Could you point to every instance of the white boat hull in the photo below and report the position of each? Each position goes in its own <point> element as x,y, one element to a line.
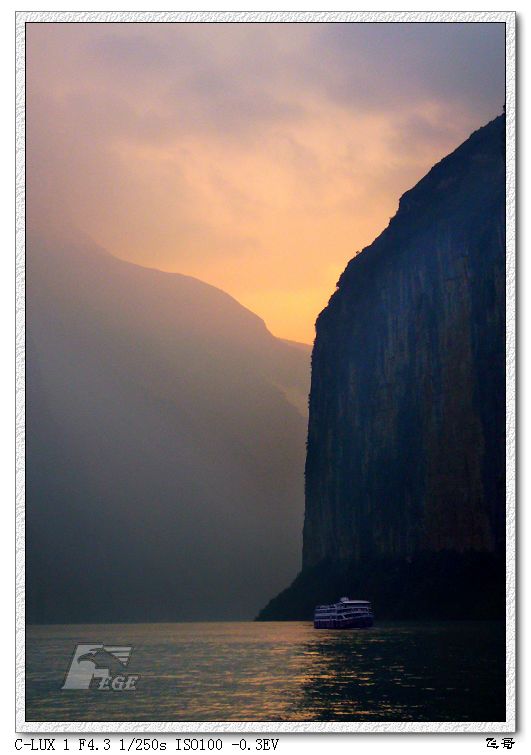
<point>361,622</point>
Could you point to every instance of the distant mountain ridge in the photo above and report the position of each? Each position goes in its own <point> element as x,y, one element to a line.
<point>405,469</point>
<point>165,444</point>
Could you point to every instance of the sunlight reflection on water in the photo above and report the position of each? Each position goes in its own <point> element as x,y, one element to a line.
<point>278,671</point>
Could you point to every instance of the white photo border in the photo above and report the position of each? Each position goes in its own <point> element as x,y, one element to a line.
<point>509,19</point>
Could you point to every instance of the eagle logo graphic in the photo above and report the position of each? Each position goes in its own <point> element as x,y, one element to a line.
<point>96,661</point>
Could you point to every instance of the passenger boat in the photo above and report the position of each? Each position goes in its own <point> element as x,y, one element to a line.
<point>347,614</point>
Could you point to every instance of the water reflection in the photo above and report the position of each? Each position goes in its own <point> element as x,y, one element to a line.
<point>279,672</point>
<point>409,672</point>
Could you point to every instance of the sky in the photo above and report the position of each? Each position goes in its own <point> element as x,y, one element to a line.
<point>259,158</point>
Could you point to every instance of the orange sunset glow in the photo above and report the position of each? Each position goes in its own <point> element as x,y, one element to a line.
<point>258,158</point>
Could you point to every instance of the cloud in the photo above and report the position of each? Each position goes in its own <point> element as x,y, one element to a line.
<point>258,157</point>
<point>402,64</point>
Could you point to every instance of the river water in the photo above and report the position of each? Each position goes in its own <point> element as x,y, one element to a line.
<point>277,671</point>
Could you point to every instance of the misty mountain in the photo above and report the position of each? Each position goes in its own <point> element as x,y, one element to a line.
<point>165,433</point>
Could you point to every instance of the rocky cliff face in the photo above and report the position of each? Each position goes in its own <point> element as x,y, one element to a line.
<point>406,442</point>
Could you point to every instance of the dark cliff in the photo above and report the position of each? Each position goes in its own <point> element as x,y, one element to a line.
<point>405,468</point>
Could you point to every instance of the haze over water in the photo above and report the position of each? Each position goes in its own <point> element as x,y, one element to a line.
<point>278,671</point>
<point>258,158</point>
